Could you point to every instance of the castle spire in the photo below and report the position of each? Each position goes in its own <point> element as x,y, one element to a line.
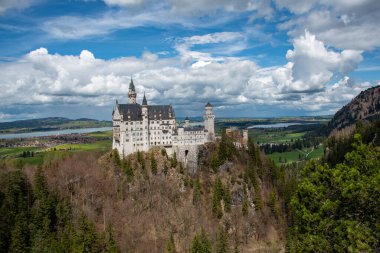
<point>144,102</point>
<point>131,85</point>
<point>132,93</point>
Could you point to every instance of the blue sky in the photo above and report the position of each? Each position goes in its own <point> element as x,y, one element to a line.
<point>249,58</point>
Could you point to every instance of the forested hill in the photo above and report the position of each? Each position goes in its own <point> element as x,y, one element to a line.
<point>364,106</point>
<point>147,202</point>
<point>51,123</point>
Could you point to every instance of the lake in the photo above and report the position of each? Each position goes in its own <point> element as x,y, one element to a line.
<point>56,132</point>
<point>279,125</point>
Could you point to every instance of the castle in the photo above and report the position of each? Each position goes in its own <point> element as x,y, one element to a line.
<point>239,138</point>
<point>140,127</point>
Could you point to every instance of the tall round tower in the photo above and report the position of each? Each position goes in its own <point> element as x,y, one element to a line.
<point>209,119</point>
<point>145,124</point>
<point>132,93</point>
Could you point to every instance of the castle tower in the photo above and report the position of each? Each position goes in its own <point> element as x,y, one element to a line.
<point>245,137</point>
<point>187,122</point>
<point>145,122</point>
<point>132,93</point>
<point>209,118</point>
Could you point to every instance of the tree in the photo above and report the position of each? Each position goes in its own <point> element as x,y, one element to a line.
<point>19,235</point>
<point>245,204</point>
<point>116,157</point>
<point>273,203</point>
<point>140,159</point>
<point>153,163</point>
<point>227,198</point>
<point>127,168</point>
<point>170,247</point>
<point>85,239</point>
<point>257,199</point>
<point>197,193</point>
<point>173,161</point>
<point>336,208</point>
<point>14,209</point>
<point>201,243</point>
<point>216,198</point>
<point>109,244</point>
<point>163,152</point>
<point>222,242</point>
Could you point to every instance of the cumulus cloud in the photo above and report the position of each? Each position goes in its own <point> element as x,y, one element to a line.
<point>42,78</point>
<point>342,24</point>
<point>6,5</point>
<point>311,65</point>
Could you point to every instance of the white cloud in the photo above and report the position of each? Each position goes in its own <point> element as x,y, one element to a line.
<point>124,3</point>
<point>302,84</point>
<point>343,24</point>
<point>311,65</point>
<point>6,5</point>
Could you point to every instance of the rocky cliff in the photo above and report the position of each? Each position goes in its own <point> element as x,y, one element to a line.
<point>365,106</point>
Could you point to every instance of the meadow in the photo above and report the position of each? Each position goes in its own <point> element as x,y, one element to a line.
<point>296,156</point>
<point>39,154</point>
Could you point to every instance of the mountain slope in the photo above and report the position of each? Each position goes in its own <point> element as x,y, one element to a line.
<point>365,106</point>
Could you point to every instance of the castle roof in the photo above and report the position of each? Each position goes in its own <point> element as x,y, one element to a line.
<point>187,118</point>
<point>194,128</point>
<point>155,112</point>
<point>208,104</point>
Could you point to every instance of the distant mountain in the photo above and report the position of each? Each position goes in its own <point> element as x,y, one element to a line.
<point>365,106</point>
<point>51,123</point>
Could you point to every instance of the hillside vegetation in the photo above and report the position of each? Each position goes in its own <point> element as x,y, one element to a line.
<point>364,106</point>
<point>336,205</point>
<point>149,203</point>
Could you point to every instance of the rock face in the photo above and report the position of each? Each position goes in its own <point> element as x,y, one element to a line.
<point>365,106</point>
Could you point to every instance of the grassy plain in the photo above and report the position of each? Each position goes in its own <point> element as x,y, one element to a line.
<point>41,153</point>
<point>293,156</point>
<point>278,135</point>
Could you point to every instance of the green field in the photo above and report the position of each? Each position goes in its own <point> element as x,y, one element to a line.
<point>103,134</point>
<point>16,151</point>
<point>98,145</point>
<point>274,135</point>
<point>41,153</point>
<point>293,156</point>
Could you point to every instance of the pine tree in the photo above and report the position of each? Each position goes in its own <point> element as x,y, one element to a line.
<point>19,235</point>
<point>216,198</point>
<point>227,198</point>
<point>257,199</point>
<point>197,193</point>
<point>116,157</point>
<point>222,242</point>
<point>141,159</point>
<point>127,168</point>
<point>245,205</point>
<point>201,244</point>
<point>109,244</point>
<point>14,203</point>
<point>153,163</point>
<point>273,202</point>
<point>174,160</point>
<point>85,239</point>
<point>170,247</point>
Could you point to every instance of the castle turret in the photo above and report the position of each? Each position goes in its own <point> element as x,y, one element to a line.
<point>145,123</point>
<point>209,119</point>
<point>245,137</point>
<point>132,93</point>
<point>187,122</point>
